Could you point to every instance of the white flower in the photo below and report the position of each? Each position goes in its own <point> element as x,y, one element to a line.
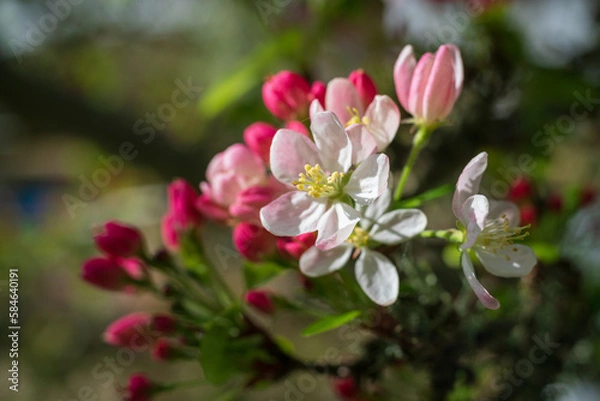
<point>375,273</point>
<point>490,230</point>
<point>324,179</point>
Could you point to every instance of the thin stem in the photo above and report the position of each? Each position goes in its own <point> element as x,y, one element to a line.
<point>419,142</point>
<point>451,235</point>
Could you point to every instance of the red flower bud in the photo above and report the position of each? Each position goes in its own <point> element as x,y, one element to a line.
<point>555,203</point>
<point>298,127</point>
<point>294,247</point>
<point>364,86</point>
<point>253,242</point>
<point>529,214</point>
<point>258,137</point>
<point>260,300</point>
<point>164,324</point>
<point>286,95</point>
<point>163,350</point>
<point>105,273</point>
<point>346,388</point>
<point>129,330</point>
<point>520,189</point>
<point>317,91</point>
<point>119,240</point>
<point>140,388</point>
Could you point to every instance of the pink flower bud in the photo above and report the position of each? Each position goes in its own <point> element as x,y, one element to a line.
<point>260,300</point>
<point>210,209</point>
<point>181,215</point>
<point>364,86</point>
<point>250,201</point>
<point>258,137</point>
<point>163,350</point>
<point>317,91</point>
<point>528,214</point>
<point>346,388</point>
<point>164,324</point>
<point>139,388</point>
<point>298,127</point>
<point>119,240</point>
<point>129,330</point>
<point>253,242</point>
<point>520,189</point>
<point>294,247</point>
<point>429,89</point>
<point>287,95</point>
<point>105,273</point>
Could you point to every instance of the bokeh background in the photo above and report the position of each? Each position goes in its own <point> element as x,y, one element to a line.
<point>80,78</point>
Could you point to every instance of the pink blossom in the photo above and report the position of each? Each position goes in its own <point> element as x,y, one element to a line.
<point>253,242</point>
<point>428,89</point>
<point>119,240</point>
<point>365,87</point>
<point>114,274</point>
<point>322,174</point>
<point>258,138</point>
<point>139,388</point>
<point>129,330</point>
<point>260,300</point>
<point>182,213</point>
<point>287,95</point>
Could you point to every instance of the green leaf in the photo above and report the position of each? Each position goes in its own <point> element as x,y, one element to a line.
<point>426,196</point>
<point>214,358</point>
<point>330,323</point>
<point>256,274</point>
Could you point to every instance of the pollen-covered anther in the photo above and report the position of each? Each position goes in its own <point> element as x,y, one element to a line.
<point>359,237</point>
<point>499,234</point>
<point>316,183</point>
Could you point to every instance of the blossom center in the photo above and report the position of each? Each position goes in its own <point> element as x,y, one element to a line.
<point>356,118</point>
<point>359,237</point>
<point>498,234</point>
<point>318,184</point>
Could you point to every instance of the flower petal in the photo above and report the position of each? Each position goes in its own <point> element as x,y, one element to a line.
<point>376,209</point>
<point>315,107</point>
<point>474,214</point>
<point>377,277</point>
<point>363,143</point>
<point>398,226</point>
<point>290,152</point>
<point>336,225</point>
<point>341,97</point>
<point>468,182</point>
<point>369,180</point>
<point>382,119</point>
<point>293,213</point>
<point>335,149</point>
<point>504,209</point>
<point>441,90</point>
<point>419,83</point>
<point>315,262</point>
<point>510,261</point>
<point>484,296</point>
<point>403,74</point>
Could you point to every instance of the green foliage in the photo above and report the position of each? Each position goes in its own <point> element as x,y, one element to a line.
<point>330,323</point>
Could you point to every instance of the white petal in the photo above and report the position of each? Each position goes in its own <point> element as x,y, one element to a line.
<point>363,143</point>
<point>293,213</point>
<point>509,210</point>
<point>484,296</point>
<point>341,97</point>
<point>334,146</point>
<point>290,152</point>
<point>315,107</point>
<point>383,120</point>
<point>315,262</point>
<point>336,225</point>
<point>468,182</point>
<point>377,277</point>
<point>473,216</point>
<point>510,261</point>
<point>376,209</point>
<point>398,226</point>
<point>369,180</point>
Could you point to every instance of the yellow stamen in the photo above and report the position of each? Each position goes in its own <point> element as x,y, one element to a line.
<point>318,184</point>
<point>359,237</point>
<point>499,234</point>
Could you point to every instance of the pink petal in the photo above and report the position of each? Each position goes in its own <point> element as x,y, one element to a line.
<point>336,225</point>
<point>484,296</point>
<point>418,84</point>
<point>369,180</point>
<point>383,120</point>
<point>315,262</point>
<point>403,74</point>
<point>474,214</point>
<point>341,96</point>
<point>468,182</point>
<point>241,159</point>
<point>500,209</point>
<point>290,152</point>
<point>440,92</point>
<point>225,188</point>
<point>292,214</point>
<point>335,149</point>
<point>315,107</point>
<point>363,143</point>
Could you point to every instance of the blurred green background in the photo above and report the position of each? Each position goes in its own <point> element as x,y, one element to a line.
<point>78,79</point>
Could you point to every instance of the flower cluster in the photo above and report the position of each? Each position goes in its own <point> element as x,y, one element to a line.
<point>313,194</point>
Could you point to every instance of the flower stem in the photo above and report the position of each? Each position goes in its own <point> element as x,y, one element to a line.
<point>451,235</point>
<point>419,141</point>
